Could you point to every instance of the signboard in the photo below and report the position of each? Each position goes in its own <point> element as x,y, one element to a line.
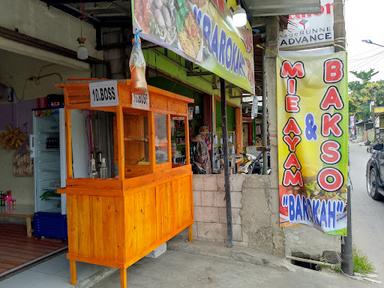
<point>309,30</point>
<point>140,101</point>
<point>313,118</point>
<point>104,93</point>
<point>199,32</point>
<point>255,107</point>
<point>378,109</point>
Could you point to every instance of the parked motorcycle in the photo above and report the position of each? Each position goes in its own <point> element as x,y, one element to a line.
<point>252,164</point>
<point>247,164</point>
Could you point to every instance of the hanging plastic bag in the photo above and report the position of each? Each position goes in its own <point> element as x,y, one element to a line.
<point>137,66</point>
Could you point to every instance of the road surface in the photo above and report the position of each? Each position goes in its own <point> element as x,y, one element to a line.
<point>367,214</point>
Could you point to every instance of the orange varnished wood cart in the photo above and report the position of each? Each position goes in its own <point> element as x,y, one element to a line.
<point>116,221</point>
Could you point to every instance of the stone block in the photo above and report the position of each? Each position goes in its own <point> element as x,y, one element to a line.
<point>194,230</point>
<point>207,214</point>
<point>257,181</point>
<point>237,232</point>
<point>236,218</point>
<point>236,182</point>
<point>236,199</point>
<point>212,231</point>
<point>198,182</point>
<point>220,199</point>
<point>208,198</point>
<point>197,198</point>
<point>210,183</point>
<point>220,182</point>
<point>158,251</point>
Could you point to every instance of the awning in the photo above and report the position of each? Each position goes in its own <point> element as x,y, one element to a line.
<point>257,8</point>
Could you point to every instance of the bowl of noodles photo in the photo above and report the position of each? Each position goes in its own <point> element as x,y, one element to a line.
<point>191,38</point>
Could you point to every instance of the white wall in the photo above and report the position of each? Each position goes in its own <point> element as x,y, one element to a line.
<point>34,18</point>
<point>14,71</point>
<point>22,187</point>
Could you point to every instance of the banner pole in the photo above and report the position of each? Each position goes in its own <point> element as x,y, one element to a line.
<point>227,186</point>
<point>346,241</point>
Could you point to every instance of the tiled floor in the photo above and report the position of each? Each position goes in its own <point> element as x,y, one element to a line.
<point>53,273</point>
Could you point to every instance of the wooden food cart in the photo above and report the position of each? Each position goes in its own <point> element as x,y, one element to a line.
<point>147,197</point>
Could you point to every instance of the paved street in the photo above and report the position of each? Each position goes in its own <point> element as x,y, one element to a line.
<point>367,214</point>
<point>208,265</point>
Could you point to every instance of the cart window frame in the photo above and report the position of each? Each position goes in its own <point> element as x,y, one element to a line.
<point>175,145</point>
<point>167,135</point>
<point>141,167</point>
<point>112,163</point>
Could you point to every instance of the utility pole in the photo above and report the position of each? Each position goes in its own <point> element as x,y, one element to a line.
<point>346,241</point>
<point>227,186</point>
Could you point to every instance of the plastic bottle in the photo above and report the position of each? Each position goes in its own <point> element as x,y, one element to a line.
<point>137,66</point>
<point>103,169</point>
<point>92,167</point>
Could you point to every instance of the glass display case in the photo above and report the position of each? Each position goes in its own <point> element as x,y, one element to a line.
<point>161,138</point>
<point>178,140</point>
<point>136,143</point>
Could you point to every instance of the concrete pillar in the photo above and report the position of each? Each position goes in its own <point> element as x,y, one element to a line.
<point>271,51</point>
<point>339,26</point>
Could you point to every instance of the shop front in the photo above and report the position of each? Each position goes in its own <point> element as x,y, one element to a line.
<point>31,113</point>
<point>139,177</point>
<point>136,176</point>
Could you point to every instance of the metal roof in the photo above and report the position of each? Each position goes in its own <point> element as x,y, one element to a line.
<point>258,8</point>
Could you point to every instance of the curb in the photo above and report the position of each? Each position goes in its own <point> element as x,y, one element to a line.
<point>96,278</point>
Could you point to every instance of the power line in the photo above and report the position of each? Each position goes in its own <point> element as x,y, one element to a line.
<point>367,56</point>
<point>364,60</point>
<point>367,64</point>
<point>372,49</point>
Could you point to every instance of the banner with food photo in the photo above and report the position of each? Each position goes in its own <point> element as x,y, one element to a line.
<point>312,106</point>
<point>197,31</point>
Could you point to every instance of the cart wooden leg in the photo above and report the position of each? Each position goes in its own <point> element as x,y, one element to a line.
<point>190,233</point>
<point>123,278</point>
<point>28,222</point>
<point>72,269</point>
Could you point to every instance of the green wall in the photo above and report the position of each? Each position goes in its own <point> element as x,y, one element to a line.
<point>178,88</point>
<point>173,66</point>
<point>175,87</point>
<point>231,117</point>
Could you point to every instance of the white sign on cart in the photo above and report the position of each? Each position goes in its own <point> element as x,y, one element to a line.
<point>104,93</point>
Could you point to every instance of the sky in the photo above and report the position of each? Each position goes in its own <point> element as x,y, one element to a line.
<point>365,20</point>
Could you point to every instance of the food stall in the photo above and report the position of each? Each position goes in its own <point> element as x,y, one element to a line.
<point>137,192</point>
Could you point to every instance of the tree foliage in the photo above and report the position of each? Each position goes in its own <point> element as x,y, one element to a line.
<point>363,91</point>
<point>365,76</point>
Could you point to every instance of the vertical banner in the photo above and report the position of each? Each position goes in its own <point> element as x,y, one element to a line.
<point>312,134</point>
